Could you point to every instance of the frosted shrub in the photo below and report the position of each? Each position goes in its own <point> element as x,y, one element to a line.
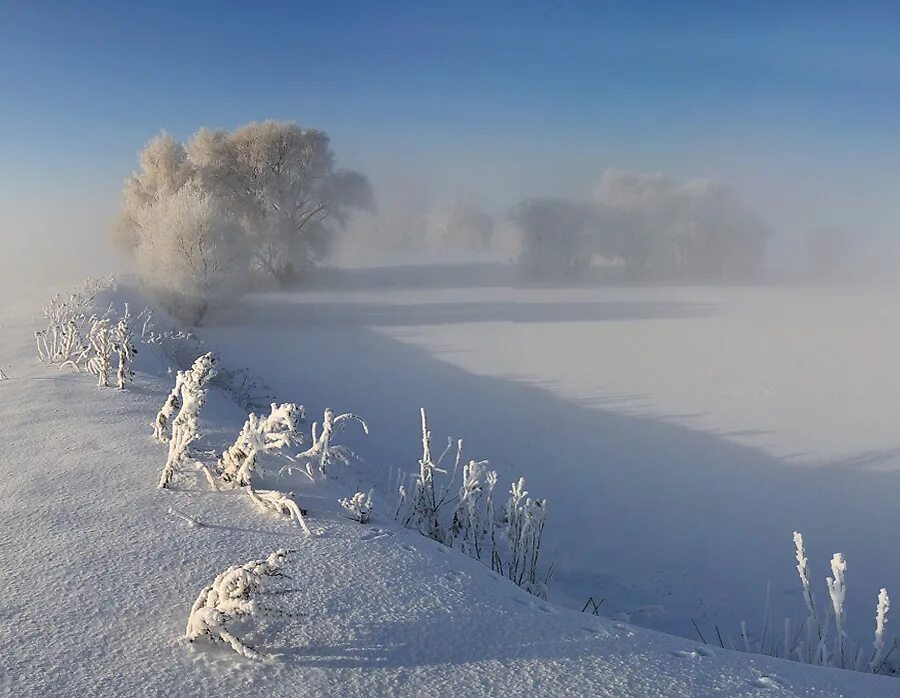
<point>234,595</point>
<point>276,431</point>
<point>809,641</point>
<point>186,425</point>
<point>881,611</point>
<point>359,506</point>
<point>169,408</point>
<point>322,454</point>
<point>280,503</point>
<point>425,503</point>
<point>123,345</point>
<point>102,346</point>
<point>473,520</point>
<point>837,590</point>
<point>525,518</point>
<point>65,316</point>
<point>183,348</point>
<point>510,545</point>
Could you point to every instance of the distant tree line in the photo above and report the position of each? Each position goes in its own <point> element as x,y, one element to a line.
<point>648,225</point>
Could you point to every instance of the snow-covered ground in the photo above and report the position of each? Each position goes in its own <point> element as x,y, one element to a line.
<point>98,579</point>
<point>680,434</point>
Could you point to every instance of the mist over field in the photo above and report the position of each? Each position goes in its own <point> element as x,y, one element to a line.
<point>381,347</point>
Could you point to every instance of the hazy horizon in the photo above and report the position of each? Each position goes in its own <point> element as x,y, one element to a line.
<point>791,108</point>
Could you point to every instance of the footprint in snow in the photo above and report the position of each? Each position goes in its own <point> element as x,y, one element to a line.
<point>766,682</point>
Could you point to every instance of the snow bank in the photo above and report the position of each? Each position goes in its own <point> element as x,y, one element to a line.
<point>98,578</point>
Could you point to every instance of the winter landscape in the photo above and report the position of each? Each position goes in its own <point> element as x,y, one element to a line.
<point>414,377</point>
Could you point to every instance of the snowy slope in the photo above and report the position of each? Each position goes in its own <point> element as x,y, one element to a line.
<point>98,579</point>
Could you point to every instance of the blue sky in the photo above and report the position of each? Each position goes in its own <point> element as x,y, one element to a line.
<point>784,101</point>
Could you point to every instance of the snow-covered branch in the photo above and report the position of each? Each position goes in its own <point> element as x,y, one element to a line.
<point>186,425</point>
<point>274,432</point>
<point>322,454</point>
<point>234,595</point>
<point>359,506</point>
<point>280,503</point>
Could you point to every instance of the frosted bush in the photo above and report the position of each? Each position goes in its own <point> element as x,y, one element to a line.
<point>525,518</point>
<point>425,503</point>
<point>473,520</point>
<point>66,316</point>
<point>359,506</point>
<point>234,595</point>
<point>808,641</point>
<point>125,349</point>
<point>274,432</point>
<point>183,348</point>
<point>186,425</point>
<point>280,503</point>
<point>322,454</point>
<point>837,590</point>
<point>102,346</point>
<point>169,408</point>
<point>881,611</point>
<point>512,544</point>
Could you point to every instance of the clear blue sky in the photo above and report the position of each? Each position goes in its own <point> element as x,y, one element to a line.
<point>781,100</point>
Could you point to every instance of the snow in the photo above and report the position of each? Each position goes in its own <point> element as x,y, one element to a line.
<point>680,435</point>
<point>99,577</point>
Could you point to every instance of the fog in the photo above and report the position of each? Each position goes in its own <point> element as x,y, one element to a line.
<point>817,230</point>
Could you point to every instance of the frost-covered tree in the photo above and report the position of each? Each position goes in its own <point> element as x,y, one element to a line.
<point>232,596</point>
<point>282,181</point>
<point>278,430</point>
<point>164,170</point>
<point>662,228</point>
<point>191,252</point>
<point>359,506</point>
<point>458,227</point>
<point>553,236</point>
<point>186,425</point>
